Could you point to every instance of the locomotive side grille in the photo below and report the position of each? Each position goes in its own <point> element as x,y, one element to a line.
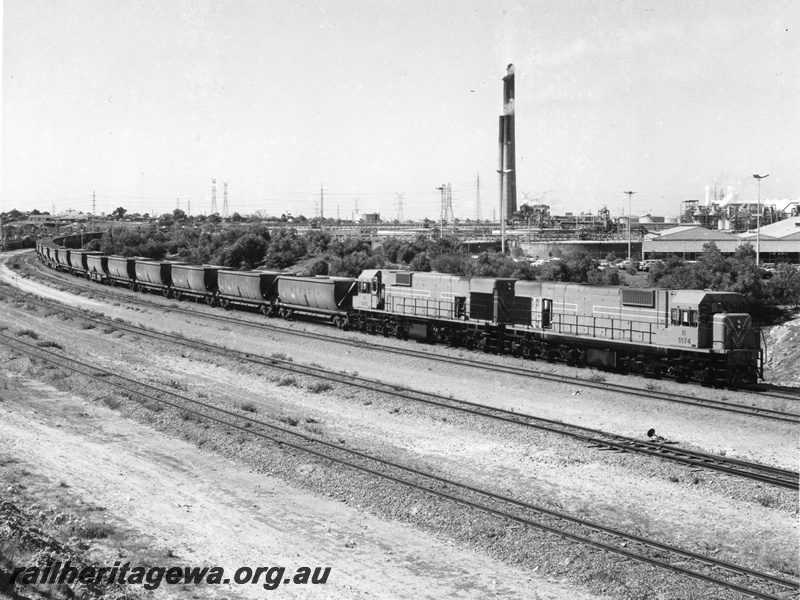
<point>522,310</point>
<point>634,297</point>
<point>402,278</point>
<point>481,306</point>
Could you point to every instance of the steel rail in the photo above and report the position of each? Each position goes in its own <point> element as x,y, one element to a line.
<point>734,467</point>
<point>104,377</point>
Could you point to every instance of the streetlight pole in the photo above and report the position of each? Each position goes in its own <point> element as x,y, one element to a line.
<point>758,220</point>
<point>503,173</point>
<point>630,212</point>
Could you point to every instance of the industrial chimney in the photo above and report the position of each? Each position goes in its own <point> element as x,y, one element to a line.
<point>507,158</point>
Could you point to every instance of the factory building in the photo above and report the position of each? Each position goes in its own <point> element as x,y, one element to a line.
<point>780,241</point>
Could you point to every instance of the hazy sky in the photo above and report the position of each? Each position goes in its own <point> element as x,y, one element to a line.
<point>145,102</point>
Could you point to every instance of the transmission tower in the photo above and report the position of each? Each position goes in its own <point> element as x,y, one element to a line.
<point>225,199</point>
<point>447,204</point>
<point>321,203</point>
<point>355,209</point>
<point>400,217</point>
<point>94,207</point>
<point>213,196</point>
<point>478,199</point>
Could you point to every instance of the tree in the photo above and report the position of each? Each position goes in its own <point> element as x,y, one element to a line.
<point>178,214</point>
<point>246,252</point>
<point>119,213</point>
<point>784,286</point>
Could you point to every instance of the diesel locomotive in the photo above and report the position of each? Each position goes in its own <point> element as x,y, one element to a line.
<point>704,336</point>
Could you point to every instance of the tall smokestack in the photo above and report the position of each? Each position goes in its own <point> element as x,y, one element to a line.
<point>507,158</point>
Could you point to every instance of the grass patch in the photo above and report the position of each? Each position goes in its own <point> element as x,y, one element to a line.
<point>112,402</point>
<point>319,386</point>
<point>766,500</point>
<point>599,377</point>
<point>91,531</point>
<point>281,356</point>
<point>653,387</point>
<point>29,332</point>
<point>284,381</point>
<point>188,416</point>
<point>289,421</point>
<point>110,329</point>
<point>49,344</point>
<point>87,325</point>
<point>248,407</point>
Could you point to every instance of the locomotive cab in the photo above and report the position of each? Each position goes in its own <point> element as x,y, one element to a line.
<point>369,293</point>
<point>720,324</point>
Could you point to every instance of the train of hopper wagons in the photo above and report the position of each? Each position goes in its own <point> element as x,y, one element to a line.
<point>695,335</point>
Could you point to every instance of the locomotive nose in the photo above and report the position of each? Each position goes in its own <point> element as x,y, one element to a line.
<point>733,331</point>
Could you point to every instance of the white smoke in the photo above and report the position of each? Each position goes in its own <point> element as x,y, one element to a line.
<point>731,195</point>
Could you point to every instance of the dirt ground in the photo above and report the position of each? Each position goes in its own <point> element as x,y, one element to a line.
<point>174,492</point>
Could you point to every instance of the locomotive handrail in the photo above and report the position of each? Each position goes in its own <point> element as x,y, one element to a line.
<point>560,324</point>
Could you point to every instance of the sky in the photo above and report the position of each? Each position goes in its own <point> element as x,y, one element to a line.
<point>142,103</point>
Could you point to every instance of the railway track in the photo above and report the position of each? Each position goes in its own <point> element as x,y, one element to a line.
<point>743,580</point>
<point>593,437</point>
<point>514,369</point>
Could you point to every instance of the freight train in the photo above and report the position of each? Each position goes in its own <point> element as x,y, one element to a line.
<point>688,335</point>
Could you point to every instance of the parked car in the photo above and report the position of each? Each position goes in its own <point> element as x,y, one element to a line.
<point>646,265</point>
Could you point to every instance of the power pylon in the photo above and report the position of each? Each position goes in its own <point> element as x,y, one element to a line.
<point>213,196</point>
<point>400,217</point>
